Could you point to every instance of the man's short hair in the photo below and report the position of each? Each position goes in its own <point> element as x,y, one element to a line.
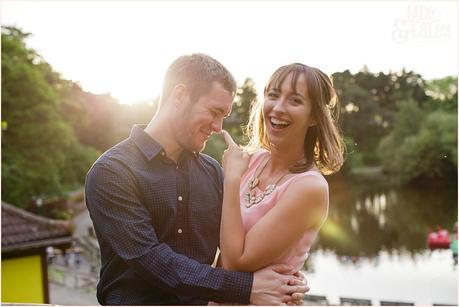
<point>197,71</point>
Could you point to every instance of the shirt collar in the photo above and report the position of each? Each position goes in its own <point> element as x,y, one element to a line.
<point>148,146</point>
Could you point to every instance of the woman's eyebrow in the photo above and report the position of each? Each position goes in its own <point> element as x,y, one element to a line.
<point>298,94</point>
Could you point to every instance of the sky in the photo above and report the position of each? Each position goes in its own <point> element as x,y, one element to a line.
<point>125,47</point>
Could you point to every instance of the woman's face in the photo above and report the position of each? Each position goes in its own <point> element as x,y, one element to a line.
<point>287,113</point>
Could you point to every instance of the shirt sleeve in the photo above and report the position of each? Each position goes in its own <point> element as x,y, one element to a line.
<point>125,223</point>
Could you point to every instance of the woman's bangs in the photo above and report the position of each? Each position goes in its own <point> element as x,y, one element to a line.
<point>295,70</point>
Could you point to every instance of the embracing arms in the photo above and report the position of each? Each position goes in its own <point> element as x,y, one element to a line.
<point>125,224</point>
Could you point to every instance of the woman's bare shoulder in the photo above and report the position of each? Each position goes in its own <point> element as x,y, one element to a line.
<point>309,181</point>
<point>257,155</point>
<point>310,187</point>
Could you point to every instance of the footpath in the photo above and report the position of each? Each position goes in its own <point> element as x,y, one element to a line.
<point>72,283</point>
<point>61,295</point>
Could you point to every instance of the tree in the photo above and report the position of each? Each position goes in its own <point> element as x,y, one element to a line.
<point>91,116</point>
<point>422,147</point>
<point>40,154</point>
<point>442,93</point>
<point>369,102</point>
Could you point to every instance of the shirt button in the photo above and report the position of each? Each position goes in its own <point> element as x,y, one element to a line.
<point>179,230</point>
<point>180,198</point>
<point>162,153</point>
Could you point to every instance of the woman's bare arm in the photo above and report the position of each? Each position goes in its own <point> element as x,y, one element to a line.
<point>303,206</point>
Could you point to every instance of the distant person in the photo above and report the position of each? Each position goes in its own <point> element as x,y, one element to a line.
<point>155,202</point>
<point>50,254</point>
<point>453,244</point>
<point>275,196</point>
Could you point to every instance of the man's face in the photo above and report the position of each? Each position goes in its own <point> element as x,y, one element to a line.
<point>199,119</point>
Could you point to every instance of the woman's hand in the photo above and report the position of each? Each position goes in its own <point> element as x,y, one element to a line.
<point>235,160</point>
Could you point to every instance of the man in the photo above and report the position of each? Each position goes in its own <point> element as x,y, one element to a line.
<point>155,202</point>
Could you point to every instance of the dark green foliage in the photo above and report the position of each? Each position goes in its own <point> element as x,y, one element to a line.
<point>236,122</point>
<point>40,154</point>
<point>422,147</point>
<point>399,120</point>
<point>369,102</point>
<point>352,156</point>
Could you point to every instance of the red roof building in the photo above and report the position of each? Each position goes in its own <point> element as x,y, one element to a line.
<point>25,237</point>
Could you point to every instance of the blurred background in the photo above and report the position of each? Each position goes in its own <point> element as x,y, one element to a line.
<point>77,75</point>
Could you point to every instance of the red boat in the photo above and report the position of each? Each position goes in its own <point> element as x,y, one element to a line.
<point>438,239</point>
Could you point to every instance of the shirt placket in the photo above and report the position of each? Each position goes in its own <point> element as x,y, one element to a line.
<point>182,200</point>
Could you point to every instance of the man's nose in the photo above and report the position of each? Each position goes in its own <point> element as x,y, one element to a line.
<point>217,125</point>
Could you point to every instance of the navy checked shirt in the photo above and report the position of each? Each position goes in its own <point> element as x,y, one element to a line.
<point>157,223</point>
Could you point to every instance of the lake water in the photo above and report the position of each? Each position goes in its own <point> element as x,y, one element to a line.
<point>373,245</point>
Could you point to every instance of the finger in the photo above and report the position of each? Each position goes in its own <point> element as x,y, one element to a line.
<point>300,275</point>
<point>298,289</point>
<point>297,296</point>
<point>228,139</point>
<point>286,298</point>
<point>298,303</point>
<point>296,281</point>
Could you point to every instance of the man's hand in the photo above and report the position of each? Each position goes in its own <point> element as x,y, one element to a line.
<point>274,285</point>
<point>297,298</point>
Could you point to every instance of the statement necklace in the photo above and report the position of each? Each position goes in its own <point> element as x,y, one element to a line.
<point>251,197</point>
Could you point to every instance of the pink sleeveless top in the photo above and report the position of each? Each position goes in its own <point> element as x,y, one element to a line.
<point>298,253</point>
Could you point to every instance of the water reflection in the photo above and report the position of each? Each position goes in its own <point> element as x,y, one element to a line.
<point>367,219</point>
<point>425,279</point>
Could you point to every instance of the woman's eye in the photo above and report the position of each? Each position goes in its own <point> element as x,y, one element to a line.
<point>297,100</point>
<point>272,94</point>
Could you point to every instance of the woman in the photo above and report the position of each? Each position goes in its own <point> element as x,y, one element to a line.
<point>276,198</point>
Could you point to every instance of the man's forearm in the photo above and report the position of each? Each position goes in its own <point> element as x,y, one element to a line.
<point>178,274</point>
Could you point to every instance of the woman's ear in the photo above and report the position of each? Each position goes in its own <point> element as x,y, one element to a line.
<point>313,122</point>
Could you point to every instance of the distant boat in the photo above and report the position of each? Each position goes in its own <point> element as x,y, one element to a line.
<point>438,239</point>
